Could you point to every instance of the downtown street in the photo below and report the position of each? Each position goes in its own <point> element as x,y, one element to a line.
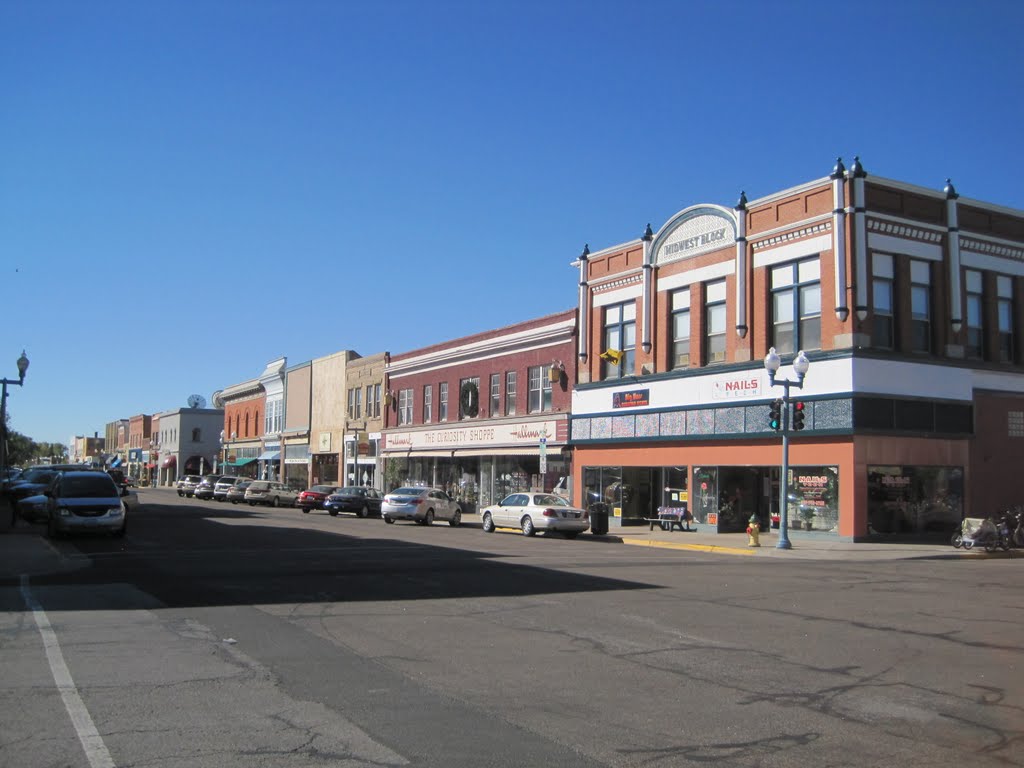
<point>233,636</point>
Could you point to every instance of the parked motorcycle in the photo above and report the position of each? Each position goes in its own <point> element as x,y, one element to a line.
<point>990,533</point>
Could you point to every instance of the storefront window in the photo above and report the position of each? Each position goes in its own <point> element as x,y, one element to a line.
<point>814,498</point>
<point>915,500</point>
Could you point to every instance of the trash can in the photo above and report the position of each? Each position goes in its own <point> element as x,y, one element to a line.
<point>599,519</point>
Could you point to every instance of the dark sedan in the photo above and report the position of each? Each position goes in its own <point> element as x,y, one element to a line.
<point>358,500</point>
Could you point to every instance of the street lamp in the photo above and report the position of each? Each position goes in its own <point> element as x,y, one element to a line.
<point>22,370</point>
<point>772,363</point>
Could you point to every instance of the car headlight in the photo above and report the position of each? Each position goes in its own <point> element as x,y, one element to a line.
<point>64,512</point>
<point>116,511</point>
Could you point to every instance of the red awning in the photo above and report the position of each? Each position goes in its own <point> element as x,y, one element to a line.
<point>169,461</point>
<point>151,466</point>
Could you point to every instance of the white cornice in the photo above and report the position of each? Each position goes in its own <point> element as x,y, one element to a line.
<point>511,343</point>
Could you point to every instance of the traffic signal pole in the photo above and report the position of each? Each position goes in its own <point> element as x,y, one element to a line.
<point>800,366</point>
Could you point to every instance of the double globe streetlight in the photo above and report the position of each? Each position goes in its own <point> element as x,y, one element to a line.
<point>772,363</point>
<point>22,370</point>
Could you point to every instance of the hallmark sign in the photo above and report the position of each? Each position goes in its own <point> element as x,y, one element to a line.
<point>633,399</point>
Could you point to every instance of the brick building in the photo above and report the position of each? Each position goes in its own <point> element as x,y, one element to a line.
<point>908,304</point>
<point>484,415</point>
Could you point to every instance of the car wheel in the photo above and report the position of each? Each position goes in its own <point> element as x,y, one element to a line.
<point>305,510</point>
<point>364,512</point>
<point>234,501</point>
<point>528,529</point>
<point>571,534</point>
<point>332,512</point>
<point>388,520</point>
<point>429,519</point>
<point>180,493</point>
<point>252,503</point>
<point>456,520</point>
<point>51,529</point>
<point>488,523</point>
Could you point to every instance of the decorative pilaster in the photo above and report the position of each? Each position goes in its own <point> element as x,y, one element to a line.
<point>648,309</point>
<point>584,306</point>
<point>741,266</point>
<point>953,242</point>
<point>839,238</point>
<point>860,237</point>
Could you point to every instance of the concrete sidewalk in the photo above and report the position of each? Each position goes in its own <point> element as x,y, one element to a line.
<point>806,546</point>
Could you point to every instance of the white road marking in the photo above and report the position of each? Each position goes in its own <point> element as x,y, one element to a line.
<point>95,750</point>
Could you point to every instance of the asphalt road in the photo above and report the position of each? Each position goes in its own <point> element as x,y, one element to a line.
<point>215,635</point>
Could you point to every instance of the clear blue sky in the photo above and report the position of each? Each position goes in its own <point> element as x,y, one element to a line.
<point>191,189</point>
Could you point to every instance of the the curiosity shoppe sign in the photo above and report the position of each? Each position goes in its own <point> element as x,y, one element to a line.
<point>529,433</point>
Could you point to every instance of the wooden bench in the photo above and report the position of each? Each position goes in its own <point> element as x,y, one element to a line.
<point>668,522</point>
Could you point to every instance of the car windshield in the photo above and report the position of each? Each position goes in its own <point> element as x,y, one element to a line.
<point>322,488</point>
<point>352,491</point>
<point>88,487</point>
<point>549,500</point>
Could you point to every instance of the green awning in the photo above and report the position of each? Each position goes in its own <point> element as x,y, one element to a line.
<point>238,462</point>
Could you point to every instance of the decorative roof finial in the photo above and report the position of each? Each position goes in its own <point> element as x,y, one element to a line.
<point>648,233</point>
<point>839,171</point>
<point>857,170</point>
<point>586,252</point>
<point>741,204</point>
<point>950,190</point>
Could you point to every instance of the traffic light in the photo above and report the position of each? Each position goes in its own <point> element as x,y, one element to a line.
<point>775,415</point>
<point>799,411</point>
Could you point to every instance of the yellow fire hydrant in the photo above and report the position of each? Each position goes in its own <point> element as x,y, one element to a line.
<point>754,532</point>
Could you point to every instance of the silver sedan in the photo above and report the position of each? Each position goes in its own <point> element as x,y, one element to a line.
<point>423,505</point>
<point>532,512</point>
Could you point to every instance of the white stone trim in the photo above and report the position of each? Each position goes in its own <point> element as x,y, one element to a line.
<point>914,248</point>
<point>618,295</point>
<point>812,246</point>
<point>701,275</point>
<point>990,263</point>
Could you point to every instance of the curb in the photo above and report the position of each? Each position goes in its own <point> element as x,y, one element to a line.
<point>691,547</point>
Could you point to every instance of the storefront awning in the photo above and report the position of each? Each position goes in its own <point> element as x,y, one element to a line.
<point>169,461</point>
<point>270,456</point>
<point>238,462</point>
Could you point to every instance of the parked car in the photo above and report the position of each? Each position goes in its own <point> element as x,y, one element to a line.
<point>204,488</point>
<point>532,512</point>
<point>32,482</point>
<point>269,492</point>
<point>236,493</point>
<point>423,505</point>
<point>314,498</point>
<point>78,501</point>
<point>225,484</point>
<point>357,499</point>
<point>187,484</point>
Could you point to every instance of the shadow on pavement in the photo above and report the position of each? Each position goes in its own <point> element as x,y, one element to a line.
<point>235,555</point>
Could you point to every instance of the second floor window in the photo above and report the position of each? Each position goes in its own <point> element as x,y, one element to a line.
<point>920,306</point>
<point>539,384</point>
<point>469,398</point>
<point>495,406</point>
<point>405,406</point>
<point>796,306</point>
<point>680,329</point>
<point>714,322</point>
<point>882,282</point>
<point>619,335</point>
<point>428,403</point>
<point>975,315</point>
<point>1004,311</point>
<point>510,393</point>
<point>442,405</point>
<point>197,435</point>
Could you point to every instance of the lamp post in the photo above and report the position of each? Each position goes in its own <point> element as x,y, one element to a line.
<point>772,363</point>
<point>22,370</point>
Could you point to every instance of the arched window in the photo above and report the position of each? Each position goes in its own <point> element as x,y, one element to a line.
<point>246,433</point>
<point>196,435</point>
